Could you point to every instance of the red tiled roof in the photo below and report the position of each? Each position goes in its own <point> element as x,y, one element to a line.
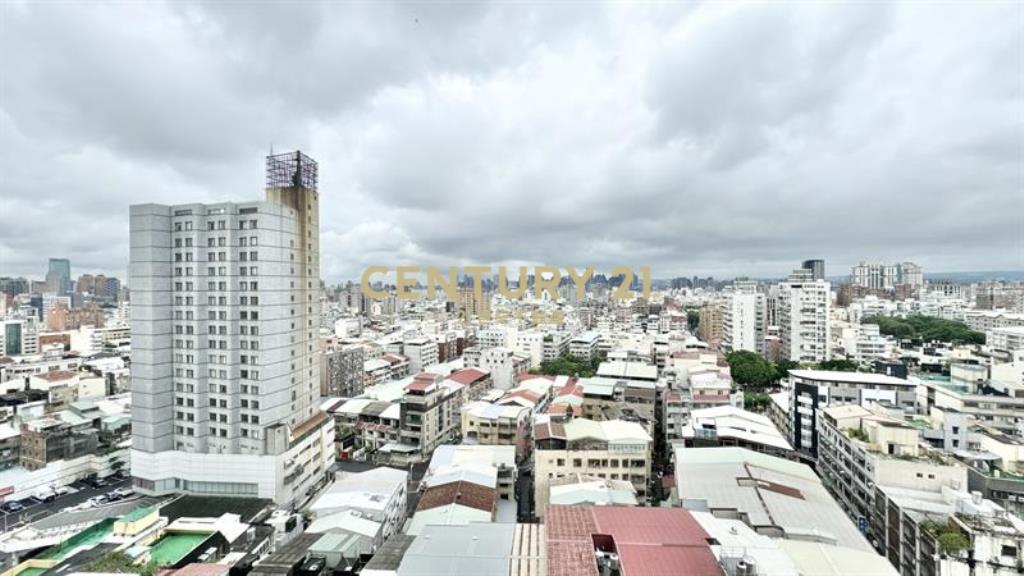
<point>468,376</point>
<point>649,541</point>
<point>721,398</point>
<point>462,493</point>
<point>56,375</point>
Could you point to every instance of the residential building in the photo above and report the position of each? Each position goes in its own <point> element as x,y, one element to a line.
<point>709,327</point>
<point>501,363</point>
<point>743,318</point>
<point>225,319</point>
<point>947,533</point>
<point>861,447</point>
<point>995,467</point>
<point>611,449</point>
<point>731,426</point>
<point>461,461</point>
<point>985,320</point>
<point>887,276</point>
<point>421,352</point>
<point>968,390</point>
<point>53,438</point>
<point>803,310</point>
<point>1007,339</point>
<point>813,390</point>
<point>341,371</point>
<point>377,496</point>
<point>585,345</point>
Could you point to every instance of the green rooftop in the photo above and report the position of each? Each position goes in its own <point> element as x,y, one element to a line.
<point>137,514</point>
<point>174,546</point>
<point>86,538</point>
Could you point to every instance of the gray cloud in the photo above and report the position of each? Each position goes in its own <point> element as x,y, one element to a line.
<point>719,138</point>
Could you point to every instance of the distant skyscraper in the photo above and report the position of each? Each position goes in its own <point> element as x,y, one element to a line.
<point>225,318</point>
<point>887,276</point>
<point>817,268</point>
<point>58,278</point>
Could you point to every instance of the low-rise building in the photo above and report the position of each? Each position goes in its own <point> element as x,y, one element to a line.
<point>776,497</point>
<point>375,500</point>
<point>599,540</point>
<point>585,345</point>
<point>731,426</point>
<point>611,449</point>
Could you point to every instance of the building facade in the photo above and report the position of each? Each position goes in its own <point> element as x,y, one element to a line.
<point>225,318</point>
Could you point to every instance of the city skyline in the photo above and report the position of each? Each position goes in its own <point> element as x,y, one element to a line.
<point>624,133</point>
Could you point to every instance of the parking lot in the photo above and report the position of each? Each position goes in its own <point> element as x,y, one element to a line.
<point>35,510</point>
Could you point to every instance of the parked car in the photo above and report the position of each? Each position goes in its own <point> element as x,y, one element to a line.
<point>124,492</point>
<point>98,500</point>
<point>13,507</point>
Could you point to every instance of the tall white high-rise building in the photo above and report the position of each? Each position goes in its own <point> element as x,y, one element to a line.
<point>887,276</point>
<point>803,311</point>
<point>743,318</point>
<point>224,321</point>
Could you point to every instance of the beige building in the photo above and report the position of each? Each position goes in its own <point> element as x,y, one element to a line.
<point>861,447</point>
<point>612,450</point>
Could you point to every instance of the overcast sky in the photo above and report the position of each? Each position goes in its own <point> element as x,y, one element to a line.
<point>714,138</point>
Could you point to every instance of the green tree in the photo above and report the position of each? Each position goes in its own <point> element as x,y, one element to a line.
<point>692,320</point>
<point>841,365</point>
<point>750,369</point>
<point>569,365</point>
<point>755,401</point>
<point>783,366</point>
<point>927,329</point>
<point>120,563</point>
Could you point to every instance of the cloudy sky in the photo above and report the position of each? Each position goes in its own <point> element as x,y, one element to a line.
<point>707,138</point>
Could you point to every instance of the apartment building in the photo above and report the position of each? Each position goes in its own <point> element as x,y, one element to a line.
<point>1007,339</point>
<point>947,533</point>
<point>611,449</point>
<point>585,345</point>
<point>50,439</point>
<point>61,388</point>
<point>225,345</point>
<point>861,447</point>
<point>421,352</point>
<point>985,320</point>
<point>887,276</point>
<point>341,371</point>
<point>555,344</point>
<point>710,328</point>
<point>505,418</point>
<point>968,390</point>
<point>501,363</point>
<point>813,390</point>
<point>743,318</point>
<point>803,309</point>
